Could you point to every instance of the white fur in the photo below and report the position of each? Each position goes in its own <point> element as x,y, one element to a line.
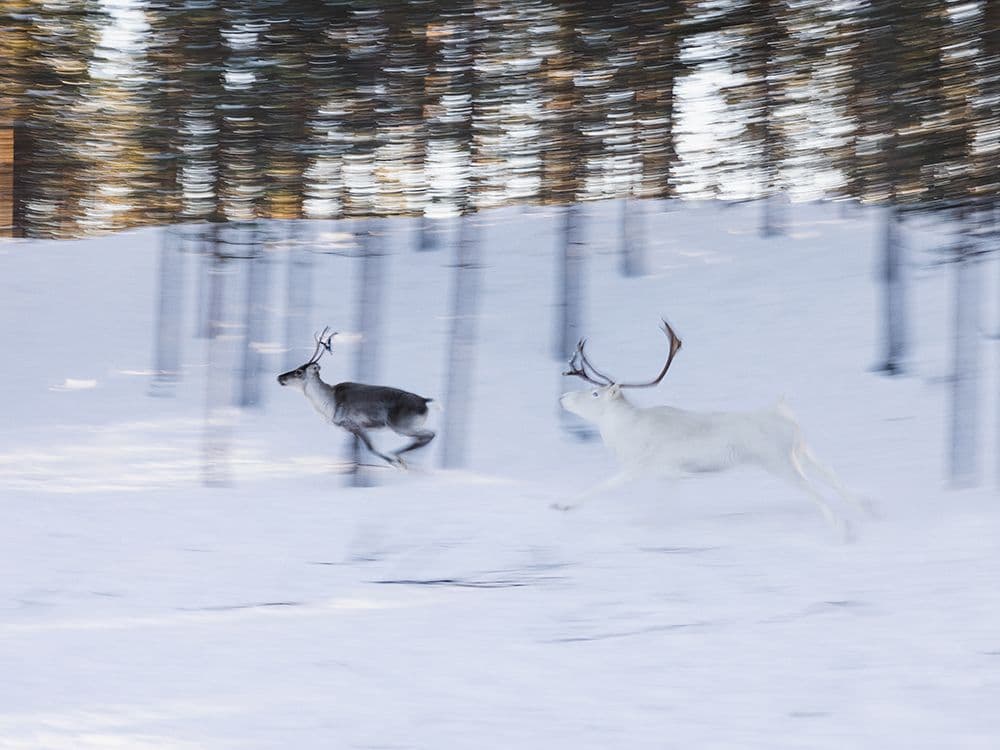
<point>668,442</point>
<point>319,394</point>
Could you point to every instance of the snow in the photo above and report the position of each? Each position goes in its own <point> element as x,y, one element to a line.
<point>449,609</point>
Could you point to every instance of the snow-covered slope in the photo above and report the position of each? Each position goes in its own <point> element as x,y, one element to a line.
<point>455,609</point>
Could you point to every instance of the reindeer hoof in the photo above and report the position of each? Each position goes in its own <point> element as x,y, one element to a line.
<point>561,506</point>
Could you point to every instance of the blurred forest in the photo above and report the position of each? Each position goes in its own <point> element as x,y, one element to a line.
<point>213,115</point>
<point>135,112</point>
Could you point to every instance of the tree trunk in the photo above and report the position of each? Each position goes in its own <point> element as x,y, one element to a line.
<point>169,311</point>
<point>894,278</point>
<point>254,320</point>
<point>298,300</point>
<point>571,305</point>
<point>428,234</point>
<point>571,272</point>
<point>462,344</point>
<point>369,328</point>
<point>633,240</point>
<point>963,464</point>
<point>773,215</point>
<point>204,247</point>
<point>219,417</point>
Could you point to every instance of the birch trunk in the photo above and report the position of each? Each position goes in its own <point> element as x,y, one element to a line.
<point>219,415</point>
<point>254,321</point>
<point>569,326</point>
<point>298,296</point>
<point>167,349</point>
<point>570,307</point>
<point>461,362</point>
<point>633,240</point>
<point>369,329</point>
<point>894,301</point>
<point>963,465</point>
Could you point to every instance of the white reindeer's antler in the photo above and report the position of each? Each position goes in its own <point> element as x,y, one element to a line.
<point>675,346</point>
<point>579,364</point>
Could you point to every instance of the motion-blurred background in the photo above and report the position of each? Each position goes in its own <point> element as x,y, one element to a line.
<point>190,189</point>
<point>210,117</point>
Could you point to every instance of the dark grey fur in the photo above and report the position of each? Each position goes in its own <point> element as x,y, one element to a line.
<point>358,407</point>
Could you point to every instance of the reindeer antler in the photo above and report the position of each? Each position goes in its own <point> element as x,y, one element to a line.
<point>579,364</point>
<point>323,344</point>
<point>675,345</point>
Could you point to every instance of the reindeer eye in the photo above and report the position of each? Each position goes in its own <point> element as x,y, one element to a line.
<point>596,394</point>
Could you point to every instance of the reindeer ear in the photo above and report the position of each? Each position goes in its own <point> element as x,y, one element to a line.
<point>614,390</point>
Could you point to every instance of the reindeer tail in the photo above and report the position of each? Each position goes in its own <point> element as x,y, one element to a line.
<point>785,414</point>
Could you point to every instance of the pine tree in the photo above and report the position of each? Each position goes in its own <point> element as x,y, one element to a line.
<point>45,81</point>
<point>892,83</point>
<point>761,58</point>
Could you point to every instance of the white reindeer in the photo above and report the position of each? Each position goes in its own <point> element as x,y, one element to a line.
<point>668,442</point>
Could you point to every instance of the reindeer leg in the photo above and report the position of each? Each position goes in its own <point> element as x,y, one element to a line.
<point>363,437</point>
<point>420,439</point>
<point>608,484</point>
<point>798,477</point>
<point>807,459</point>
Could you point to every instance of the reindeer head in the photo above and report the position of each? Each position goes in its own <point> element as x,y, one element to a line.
<point>310,369</point>
<point>592,404</point>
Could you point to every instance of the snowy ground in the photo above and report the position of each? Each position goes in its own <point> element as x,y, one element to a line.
<point>140,609</point>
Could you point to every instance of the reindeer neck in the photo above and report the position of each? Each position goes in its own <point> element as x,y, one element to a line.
<point>615,420</point>
<point>320,395</point>
<point>621,406</point>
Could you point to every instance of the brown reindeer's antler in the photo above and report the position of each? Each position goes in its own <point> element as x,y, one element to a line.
<point>323,344</point>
